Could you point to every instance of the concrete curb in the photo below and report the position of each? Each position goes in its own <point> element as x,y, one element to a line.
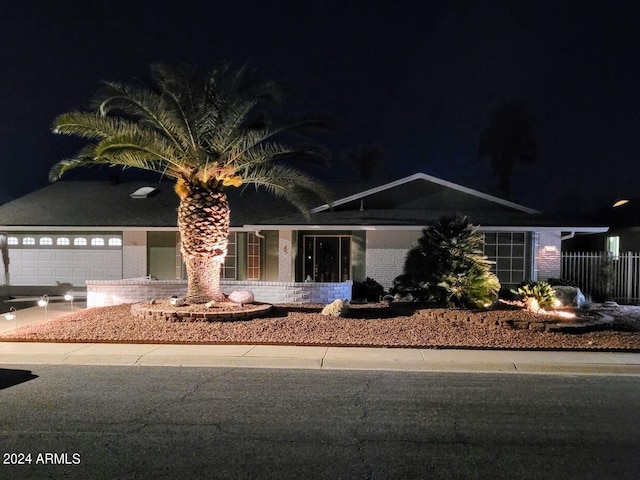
<point>327,358</point>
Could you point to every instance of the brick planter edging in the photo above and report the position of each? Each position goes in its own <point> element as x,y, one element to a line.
<point>145,310</point>
<point>598,320</point>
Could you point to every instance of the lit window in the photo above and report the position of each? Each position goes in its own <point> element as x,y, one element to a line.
<point>115,242</point>
<point>613,246</point>
<point>253,256</point>
<point>12,241</point>
<point>28,241</point>
<point>229,269</point>
<point>97,242</point>
<point>46,241</point>
<point>79,241</point>
<point>62,241</point>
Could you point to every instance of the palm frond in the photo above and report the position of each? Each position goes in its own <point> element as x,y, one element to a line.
<point>291,184</point>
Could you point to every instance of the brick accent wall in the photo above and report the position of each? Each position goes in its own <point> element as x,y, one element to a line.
<point>114,292</point>
<point>549,255</point>
<point>386,252</point>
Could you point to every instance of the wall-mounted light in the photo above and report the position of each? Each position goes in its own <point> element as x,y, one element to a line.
<point>11,316</point>
<point>550,248</point>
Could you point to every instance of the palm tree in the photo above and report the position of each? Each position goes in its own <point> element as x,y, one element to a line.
<point>508,139</point>
<point>209,132</point>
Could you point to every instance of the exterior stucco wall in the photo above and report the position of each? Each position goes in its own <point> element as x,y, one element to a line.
<point>134,254</point>
<point>386,252</point>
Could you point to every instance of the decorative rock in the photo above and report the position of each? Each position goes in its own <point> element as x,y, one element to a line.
<point>241,296</point>
<point>337,308</point>
<point>570,296</point>
<point>177,302</point>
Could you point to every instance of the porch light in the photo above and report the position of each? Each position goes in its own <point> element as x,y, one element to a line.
<point>11,316</point>
<point>620,202</point>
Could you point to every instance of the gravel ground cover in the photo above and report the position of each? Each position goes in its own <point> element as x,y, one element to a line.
<point>366,325</point>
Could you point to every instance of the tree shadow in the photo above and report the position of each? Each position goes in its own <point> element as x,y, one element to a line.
<point>11,377</point>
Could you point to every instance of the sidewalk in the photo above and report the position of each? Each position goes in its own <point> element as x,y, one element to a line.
<point>268,356</point>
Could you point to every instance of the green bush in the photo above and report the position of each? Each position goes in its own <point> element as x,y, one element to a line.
<point>447,267</point>
<point>542,292</point>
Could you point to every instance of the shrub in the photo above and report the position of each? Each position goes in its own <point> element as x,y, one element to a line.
<point>541,292</point>
<point>369,290</point>
<point>447,267</point>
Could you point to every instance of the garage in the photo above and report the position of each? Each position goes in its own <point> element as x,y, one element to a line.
<point>73,258</point>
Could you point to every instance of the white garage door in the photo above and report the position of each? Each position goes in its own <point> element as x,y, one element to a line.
<point>73,264</point>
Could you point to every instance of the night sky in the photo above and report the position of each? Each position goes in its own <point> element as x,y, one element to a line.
<point>414,78</point>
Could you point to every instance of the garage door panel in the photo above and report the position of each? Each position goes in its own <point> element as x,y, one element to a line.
<point>48,266</point>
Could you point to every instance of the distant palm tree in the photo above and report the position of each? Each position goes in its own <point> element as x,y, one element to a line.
<point>508,139</point>
<point>209,132</point>
<point>366,160</point>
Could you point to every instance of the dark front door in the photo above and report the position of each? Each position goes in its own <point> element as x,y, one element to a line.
<point>327,259</point>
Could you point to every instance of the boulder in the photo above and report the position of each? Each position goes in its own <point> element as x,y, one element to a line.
<point>337,308</point>
<point>570,296</point>
<point>241,296</point>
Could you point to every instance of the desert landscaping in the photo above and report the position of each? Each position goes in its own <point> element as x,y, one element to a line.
<point>372,324</point>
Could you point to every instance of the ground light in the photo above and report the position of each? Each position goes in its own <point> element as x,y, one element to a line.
<point>44,302</point>
<point>69,298</point>
<point>11,316</point>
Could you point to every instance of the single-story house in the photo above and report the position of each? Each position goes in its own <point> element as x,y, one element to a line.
<point>103,234</point>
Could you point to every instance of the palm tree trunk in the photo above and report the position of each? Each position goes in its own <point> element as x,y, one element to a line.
<point>203,221</point>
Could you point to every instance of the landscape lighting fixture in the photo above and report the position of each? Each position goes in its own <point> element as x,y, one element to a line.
<point>43,302</point>
<point>11,316</point>
<point>69,298</point>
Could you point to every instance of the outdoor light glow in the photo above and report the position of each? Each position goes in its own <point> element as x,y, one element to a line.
<point>621,202</point>
<point>44,301</point>
<point>11,316</point>
<point>68,297</point>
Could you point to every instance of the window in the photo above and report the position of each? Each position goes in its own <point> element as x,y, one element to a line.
<point>507,250</point>
<point>97,242</point>
<point>229,269</point>
<point>46,241</point>
<point>62,241</point>
<point>28,241</point>
<point>613,246</point>
<point>79,241</point>
<point>253,256</point>
<point>115,242</point>
<point>13,241</point>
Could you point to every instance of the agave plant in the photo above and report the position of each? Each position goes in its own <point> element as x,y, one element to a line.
<point>537,295</point>
<point>209,131</point>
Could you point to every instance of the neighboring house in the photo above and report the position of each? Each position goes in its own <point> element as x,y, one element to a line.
<point>90,231</point>
<point>623,219</point>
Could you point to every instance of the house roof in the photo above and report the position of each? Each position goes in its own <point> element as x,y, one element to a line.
<point>410,202</point>
<point>101,204</point>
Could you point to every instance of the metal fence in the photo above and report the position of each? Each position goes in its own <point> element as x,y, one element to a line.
<point>603,276</point>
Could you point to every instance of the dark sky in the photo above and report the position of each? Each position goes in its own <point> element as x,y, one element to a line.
<point>416,78</point>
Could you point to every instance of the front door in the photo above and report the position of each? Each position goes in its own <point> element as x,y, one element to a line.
<point>327,258</point>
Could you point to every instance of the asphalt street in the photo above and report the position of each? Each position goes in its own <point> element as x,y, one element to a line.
<point>107,422</point>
